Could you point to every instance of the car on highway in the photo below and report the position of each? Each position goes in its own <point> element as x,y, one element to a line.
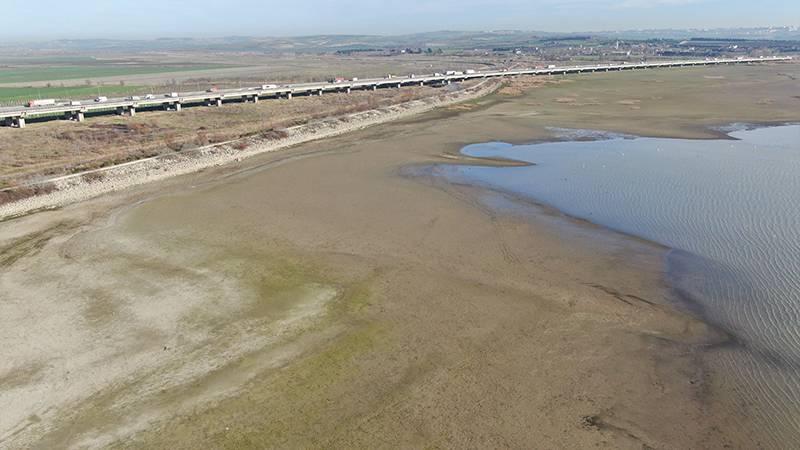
<point>149,97</point>
<point>101,99</point>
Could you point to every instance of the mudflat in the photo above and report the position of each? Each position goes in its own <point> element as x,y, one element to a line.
<point>339,294</point>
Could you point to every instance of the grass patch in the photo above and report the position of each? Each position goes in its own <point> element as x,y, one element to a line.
<point>75,72</point>
<point>20,95</point>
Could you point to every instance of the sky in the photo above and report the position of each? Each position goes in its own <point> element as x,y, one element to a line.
<point>48,19</point>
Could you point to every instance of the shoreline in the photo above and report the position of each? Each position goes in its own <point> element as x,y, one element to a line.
<point>718,334</point>
<point>75,188</point>
<point>459,158</point>
<point>723,336</point>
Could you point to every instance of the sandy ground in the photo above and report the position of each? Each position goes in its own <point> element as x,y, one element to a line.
<point>337,296</point>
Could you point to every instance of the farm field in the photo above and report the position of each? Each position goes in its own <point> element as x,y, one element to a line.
<point>34,73</point>
<point>20,95</point>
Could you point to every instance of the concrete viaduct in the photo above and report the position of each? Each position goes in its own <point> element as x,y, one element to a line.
<point>16,116</point>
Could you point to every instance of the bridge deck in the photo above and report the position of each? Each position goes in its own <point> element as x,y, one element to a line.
<point>17,115</point>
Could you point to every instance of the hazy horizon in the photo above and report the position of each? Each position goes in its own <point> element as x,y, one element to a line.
<point>150,19</point>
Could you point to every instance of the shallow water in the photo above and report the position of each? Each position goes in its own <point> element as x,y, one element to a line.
<point>730,209</point>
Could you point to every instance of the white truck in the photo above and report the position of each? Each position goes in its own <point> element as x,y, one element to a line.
<point>172,95</point>
<point>74,103</point>
<point>551,66</point>
<point>101,99</point>
<point>269,86</point>
<point>44,102</point>
<point>470,72</point>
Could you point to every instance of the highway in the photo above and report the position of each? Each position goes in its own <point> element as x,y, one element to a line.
<point>16,116</point>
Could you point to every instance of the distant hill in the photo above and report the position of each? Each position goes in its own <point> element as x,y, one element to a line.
<point>434,40</point>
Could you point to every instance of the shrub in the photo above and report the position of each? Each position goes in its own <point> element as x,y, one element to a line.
<point>19,193</point>
<point>93,177</point>
<point>273,134</point>
<point>172,143</point>
<point>202,138</point>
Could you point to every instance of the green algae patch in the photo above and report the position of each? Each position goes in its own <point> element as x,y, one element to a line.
<point>298,399</point>
<point>292,403</point>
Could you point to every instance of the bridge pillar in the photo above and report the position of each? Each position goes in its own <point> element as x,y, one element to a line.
<point>177,106</point>
<point>132,111</point>
<point>422,83</point>
<point>218,102</point>
<point>19,122</point>
<point>255,99</point>
<point>78,116</point>
<point>374,87</point>
<point>348,90</point>
<point>288,96</point>
<point>399,85</point>
<point>320,92</point>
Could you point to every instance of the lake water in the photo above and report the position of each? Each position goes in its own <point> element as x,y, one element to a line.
<point>730,209</point>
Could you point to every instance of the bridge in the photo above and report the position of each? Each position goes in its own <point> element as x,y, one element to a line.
<point>16,116</point>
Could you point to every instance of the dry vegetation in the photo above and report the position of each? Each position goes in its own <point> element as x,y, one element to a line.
<point>519,85</point>
<point>14,193</point>
<point>55,148</point>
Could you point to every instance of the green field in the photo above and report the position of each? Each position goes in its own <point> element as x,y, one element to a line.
<point>75,72</point>
<point>18,96</point>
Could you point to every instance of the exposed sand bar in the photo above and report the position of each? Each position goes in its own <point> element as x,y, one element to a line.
<point>322,297</point>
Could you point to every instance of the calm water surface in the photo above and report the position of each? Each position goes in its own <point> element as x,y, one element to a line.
<point>730,209</point>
